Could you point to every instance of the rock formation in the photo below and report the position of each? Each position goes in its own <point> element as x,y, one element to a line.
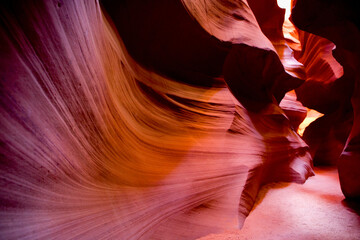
<point>148,119</point>
<point>326,90</point>
<point>339,22</point>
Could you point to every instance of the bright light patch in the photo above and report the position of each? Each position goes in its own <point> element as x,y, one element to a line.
<point>285,4</point>
<point>311,116</point>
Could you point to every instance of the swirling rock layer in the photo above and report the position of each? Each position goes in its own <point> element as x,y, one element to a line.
<point>97,145</point>
<point>339,22</point>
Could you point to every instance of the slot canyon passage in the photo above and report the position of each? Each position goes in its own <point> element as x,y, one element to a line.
<point>179,119</point>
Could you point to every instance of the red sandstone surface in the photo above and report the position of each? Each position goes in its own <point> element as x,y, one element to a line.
<point>162,119</point>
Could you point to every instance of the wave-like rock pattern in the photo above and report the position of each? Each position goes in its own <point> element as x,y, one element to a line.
<point>327,90</point>
<point>321,88</point>
<point>95,145</point>
<point>339,22</point>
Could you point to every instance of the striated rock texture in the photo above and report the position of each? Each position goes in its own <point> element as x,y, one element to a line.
<point>126,129</point>
<point>339,22</point>
<point>271,19</point>
<point>328,91</point>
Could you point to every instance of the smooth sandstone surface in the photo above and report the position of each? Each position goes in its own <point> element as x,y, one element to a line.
<point>96,143</point>
<point>339,22</point>
<point>152,119</point>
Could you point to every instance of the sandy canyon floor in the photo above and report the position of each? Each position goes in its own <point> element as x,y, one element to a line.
<point>314,210</point>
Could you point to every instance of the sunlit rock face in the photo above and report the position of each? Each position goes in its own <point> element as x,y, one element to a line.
<point>328,91</point>
<point>271,19</point>
<point>124,127</point>
<point>339,22</point>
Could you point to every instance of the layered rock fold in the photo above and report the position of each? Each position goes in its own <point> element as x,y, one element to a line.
<point>125,128</point>
<point>339,21</point>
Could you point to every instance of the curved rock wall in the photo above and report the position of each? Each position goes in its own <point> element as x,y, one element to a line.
<point>339,22</point>
<point>97,143</point>
<point>327,90</point>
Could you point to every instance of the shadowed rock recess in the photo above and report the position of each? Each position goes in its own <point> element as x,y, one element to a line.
<point>161,119</point>
<point>338,21</point>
